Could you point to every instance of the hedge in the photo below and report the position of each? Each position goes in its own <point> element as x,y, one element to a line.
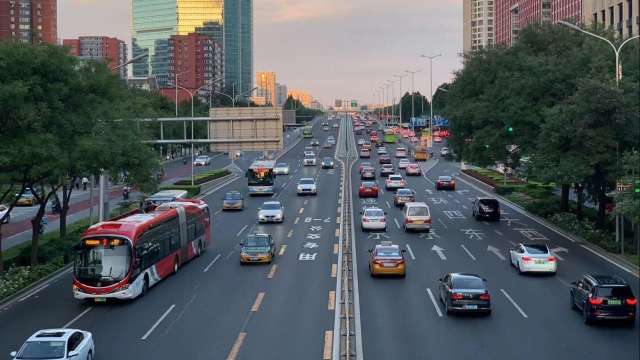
<point>203,178</point>
<point>192,191</point>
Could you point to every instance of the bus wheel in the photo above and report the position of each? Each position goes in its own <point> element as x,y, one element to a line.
<point>175,265</point>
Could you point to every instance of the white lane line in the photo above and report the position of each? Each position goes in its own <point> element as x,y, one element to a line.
<point>33,293</point>
<point>76,318</point>
<point>146,335</point>
<point>435,303</point>
<point>465,207</point>
<point>497,232</point>
<point>217,212</point>
<point>443,224</point>
<point>381,191</point>
<point>413,257</point>
<point>514,303</point>
<point>609,260</point>
<point>211,263</point>
<point>241,230</point>
<point>397,223</point>
<point>457,201</point>
<point>388,205</point>
<point>468,252</point>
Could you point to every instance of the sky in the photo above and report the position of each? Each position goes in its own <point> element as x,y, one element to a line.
<point>333,49</point>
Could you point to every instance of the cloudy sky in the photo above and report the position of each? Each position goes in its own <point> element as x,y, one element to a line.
<point>330,48</point>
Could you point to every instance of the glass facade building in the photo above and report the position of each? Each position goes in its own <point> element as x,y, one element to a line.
<point>238,45</point>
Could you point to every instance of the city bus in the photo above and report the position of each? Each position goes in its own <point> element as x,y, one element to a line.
<point>123,257</point>
<point>261,177</point>
<point>307,132</point>
<point>389,136</point>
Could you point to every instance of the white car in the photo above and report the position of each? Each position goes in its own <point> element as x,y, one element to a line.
<point>309,160</point>
<point>401,152</point>
<point>382,150</point>
<point>335,126</point>
<point>533,258</point>
<point>394,181</point>
<point>281,169</point>
<point>3,210</point>
<point>445,151</point>
<point>271,211</point>
<point>57,344</point>
<point>202,160</point>
<point>403,163</point>
<point>373,218</point>
<point>307,186</point>
<point>417,216</point>
<point>361,142</point>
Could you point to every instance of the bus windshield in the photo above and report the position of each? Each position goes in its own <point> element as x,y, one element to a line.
<point>261,177</point>
<point>102,260</point>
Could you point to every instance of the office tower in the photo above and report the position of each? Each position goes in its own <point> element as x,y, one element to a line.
<point>238,45</point>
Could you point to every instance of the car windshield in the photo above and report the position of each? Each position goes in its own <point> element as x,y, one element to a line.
<point>395,178</point>
<point>282,165</point>
<point>98,261</point>
<point>233,196</point>
<point>271,206</point>
<point>327,159</point>
<point>374,213</point>
<point>387,166</point>
<point>45,349</point>
<point>444,178</point>
<point>306,182</point>
<point>404,192</point>
<point>537,249</point>
<point>417,211</point>
<point>201,158</point>
<point>368,184</point>
<point>309,156</point>
<point>467,282</point>
<point>388,252</point>
<point>621,292</point>
<point>493,203</point>
<point>256,241</point>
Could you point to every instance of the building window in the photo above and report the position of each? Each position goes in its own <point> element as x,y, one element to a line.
<point>611,16</point>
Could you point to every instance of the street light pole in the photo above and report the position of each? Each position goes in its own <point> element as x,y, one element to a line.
<point>413,110</point>
<point>192,133</point>
<point>400,101</point>
<point>431,86</point>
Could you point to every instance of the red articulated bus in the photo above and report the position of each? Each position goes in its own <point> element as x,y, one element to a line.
<point>123,257</point>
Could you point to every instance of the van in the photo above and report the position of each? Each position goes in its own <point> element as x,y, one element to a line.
<point>164,196</point>
<point>417,216</point>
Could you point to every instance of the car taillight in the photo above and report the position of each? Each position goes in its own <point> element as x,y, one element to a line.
<point>453,182</point>
<point>485,297</point>
<point>526,258</point>
<point>595,300</point>
<point>382,220</point>
<point>456,296</point>
<point>428,221</point>
<point>408,221</point>
<point>632,301</point>
<point>378,262</point>
<point>361,188</point>
<point>365,220</point>
<point>552,258</point>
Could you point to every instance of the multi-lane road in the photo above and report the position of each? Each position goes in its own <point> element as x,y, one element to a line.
<point>214,308</point>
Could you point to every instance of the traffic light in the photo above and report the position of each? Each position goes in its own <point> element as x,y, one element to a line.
<point>510,129</point>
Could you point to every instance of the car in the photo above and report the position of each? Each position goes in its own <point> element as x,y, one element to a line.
<point>57,344</point>
<point>403,163</point>
<point>233,201</point>
<point>331,140</point>
<point>368,173</point>
<point>325,124</point>
<point>445,182</point>
<point>401,152</point>
<point>202,160</point>
<point>4,217</point>
<point>315,142</point>
<point>384,159</point>
<point>325,127</point>
<point>27,198</point>
<point>271,212</point>
<point>464,292</point>
<point>373,218</point>
<point>307,186</point>
<point>326,145</point>
<point>445,152</point>
<point>308,149</point>
<point>394,181</point>
<point>361,142</point>
<point>403,196</point>
<point>363,165</point>
<point>281,169</point>
<point>309,160</point>
<point>368,189</point>
<point>381,150</point>
<point>365,153</point>
<point>257,248</point>
<point>386,170</point>
<point>335,126</point>
<point>416,216</point>
<point>437,139</point>
<point>413,169</point>
<point>387,258</point>
<point>533,258</point>
<point>327,163</point>
<point>486,208</point>
<point>603,297</point>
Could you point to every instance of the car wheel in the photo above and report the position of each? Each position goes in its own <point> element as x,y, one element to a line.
<point>572,301</point>
<point>520,269</point>
<point>199,249</point>
<point>90,356</point>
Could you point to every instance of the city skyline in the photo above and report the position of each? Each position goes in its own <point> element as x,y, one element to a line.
<point>315,34</point>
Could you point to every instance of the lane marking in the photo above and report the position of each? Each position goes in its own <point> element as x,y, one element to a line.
<point>241,230</point>
<point>331,305</point>
<point>328,345</point>
<point>76,318</point>
<point>301,210</point>
<point>282,249</point>
<point>235,349</point>
<point>33,292</point>
<point>155,325</point>
<point>465,207</point>
<point>256,304</point>
<point>296,221</point>
<point>388,205</point>
<point>435,304</point>
<point>290,233</point>
<point>217,212</point>
<point>397,223</point>
<point>514,303</point>
<point>272,272</point>
<point>334,270</point>
<point>468,252</point>
<point>306,201</point>
<point>336,248</point>
<point>411,252</point>
<point>497,232</point>
<point>443,224</point>
<point>211,263</point>
<point>338,232</point>
<point>457,201</point>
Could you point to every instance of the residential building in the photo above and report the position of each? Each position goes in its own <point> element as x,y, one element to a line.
<point>281,94</point>
<point>155,21</point>
<point>29,21</point>
<point>301,96</point>
<point>513,15</point>
<point>112,51</point>
<point>569,10</point>
<point>238,45</point>
<point>478,27</point>
<point>620,16</point>
<point>266,84</point>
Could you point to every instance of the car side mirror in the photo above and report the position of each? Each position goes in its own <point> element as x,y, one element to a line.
<point>370,251</point>
<point>13,354</point>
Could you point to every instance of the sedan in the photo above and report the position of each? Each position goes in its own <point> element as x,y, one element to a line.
<point>331,140</point>
<point>403,196</point>
<point>384,159</point>
<point>382,150</point>
<point>386,170</point>
<point>461,292</point>
<point>445,182</point>
<point>232,201</point>
<point>57,344</point>
<point>315,142</point>
<point>27,198</point>
<point>533,258</point>
<point>361,141</point>
<point>403,163</point>
<point>368,189</point>
<point>386,258</point>
<point>202,160</point>
<point>445,152</point>
<point>3,212</point>
<point>327,145</point>
<point>413,169</point>
<point>271,211</point>
<point>309,160</point>
<point>281,169</point>
<point>365,153</point>
<point>335,126</point>
<point>307,186</point>
<point>257,248</point>
<point>394,181</point>
<point>363,165</point>
<point>373,218</point>
<point>368,173</point>
<point>327,163</point>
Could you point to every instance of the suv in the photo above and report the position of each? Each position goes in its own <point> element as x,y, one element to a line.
<point>603,297</point>
<point>486,208</point>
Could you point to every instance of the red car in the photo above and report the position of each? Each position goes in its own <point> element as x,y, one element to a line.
<point>368,189</point>
<point>445,182</point>
<point>412,169</point>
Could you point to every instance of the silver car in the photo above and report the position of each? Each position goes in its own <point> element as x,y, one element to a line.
<point>271,211</point>
<point>202,160</point>
<point>281,169</point>
<point>307,186</point>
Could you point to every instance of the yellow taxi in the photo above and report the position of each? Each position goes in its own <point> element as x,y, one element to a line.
<point>27,198</point>
<point>257,248</point>
<point>387,258</point>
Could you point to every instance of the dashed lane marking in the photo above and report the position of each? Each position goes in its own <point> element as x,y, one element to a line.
<point>301,210</point>
<point>397,223</point>
<point>468,252</point>
<point>514,303</point>
<point>328,345</point>
<point>434,302</point>
<point>336,248</point>
<point>282,250</point>
<point>76,318</point>
<point>235,349</point>
<point>334,270</point>
<point>296,221</point>
<point>241,230</point>
<point>290,233</point>
<point>443,224</point>
<point>272,271</point>
<point>211,263</point>
<point>258,302</point>
<point>497,232</point>
<point>338,232</point>
<point>331,305</point>
<point>155,325</point>
<point>411,252</point>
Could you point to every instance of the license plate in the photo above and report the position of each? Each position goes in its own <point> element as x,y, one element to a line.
<point>471,307</point>
<point>614,302</point>
<point>540,262</point>
<point>418,222</point>
<point>254,258</point>
<point>389,265</point>
<point>100,300</point>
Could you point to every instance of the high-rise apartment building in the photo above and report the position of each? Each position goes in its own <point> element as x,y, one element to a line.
<point>110,50</point>
<point>302,96</point>
<point>569,10</point>
<point>155,21</point>
<point>238,45</point>
<point>29,21</point>
<point>266,84</point>
<point>478,27</point>
<point>514,15</point>
<point>620,16</point>
<point>281,94</point>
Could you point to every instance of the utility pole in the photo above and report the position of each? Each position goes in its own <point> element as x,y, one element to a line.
<point>429,126</point>
<point>400,101</point>
<point>413,110</point>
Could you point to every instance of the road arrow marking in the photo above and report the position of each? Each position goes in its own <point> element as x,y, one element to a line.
<point>557,250</point>
<point>439,251</point>
<point>496,252</point>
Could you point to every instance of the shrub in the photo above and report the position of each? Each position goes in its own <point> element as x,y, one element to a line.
<point>505,189</point>
<point>17,278</point>
<point>585,229</point>
<point>192,191</point>
<point>543,207</point>
<point>203,178</point>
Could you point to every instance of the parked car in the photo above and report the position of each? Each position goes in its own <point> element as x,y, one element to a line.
<point>257,248</point>
<point>281,169</point>
<point>57,344</point>
<point>417,216</point>
<point>463,292</point>
<point>387,258</point>
<point>603,297</point>
<point>233,200</point>
<point>485,208</point>
<point>271,211</point>
<point>368,189</point>
<point>533,258</point>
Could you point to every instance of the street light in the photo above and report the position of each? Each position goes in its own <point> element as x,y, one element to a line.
<point>192,135</point>
<point>399,77</point>
<point>616,50</point>
<point>210,84</point>
<point>413,110</point>
<point>431,85</point>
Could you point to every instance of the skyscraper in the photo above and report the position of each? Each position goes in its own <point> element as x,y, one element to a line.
<point>238,45</point>
<point>478,27</point>
<point>281,94</point>
<point>266,84</point>
<point>110,50</point>
<point>30,21</point>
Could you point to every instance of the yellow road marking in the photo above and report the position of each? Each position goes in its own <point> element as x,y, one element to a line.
<point>336,248</point>
<point>256,304</point>
<point>282,249</point>
<point>297,219</point>
<point>328,344</point>
<point>237,344</point>
<point>334,270</point>
<point>290,233</point>
<point>272,272</point>
<point>301,210</point>
<point>332,300</point>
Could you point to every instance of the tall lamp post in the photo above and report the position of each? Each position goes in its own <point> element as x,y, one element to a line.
<point>413,106</point>
<point>192,135</point>
<point>431,85</point>
<point>399,77</point>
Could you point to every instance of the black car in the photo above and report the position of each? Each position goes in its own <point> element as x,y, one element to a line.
<point>484,208</point>
<point>327,163</point>
<point>603,297</point>
<point>461,292</point>
<point>384,159</point>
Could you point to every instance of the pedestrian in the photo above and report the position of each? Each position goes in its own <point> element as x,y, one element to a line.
<point>85,181</point>
<point>77,183</point>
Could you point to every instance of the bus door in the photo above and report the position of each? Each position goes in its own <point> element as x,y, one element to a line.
<point>182,220</point>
